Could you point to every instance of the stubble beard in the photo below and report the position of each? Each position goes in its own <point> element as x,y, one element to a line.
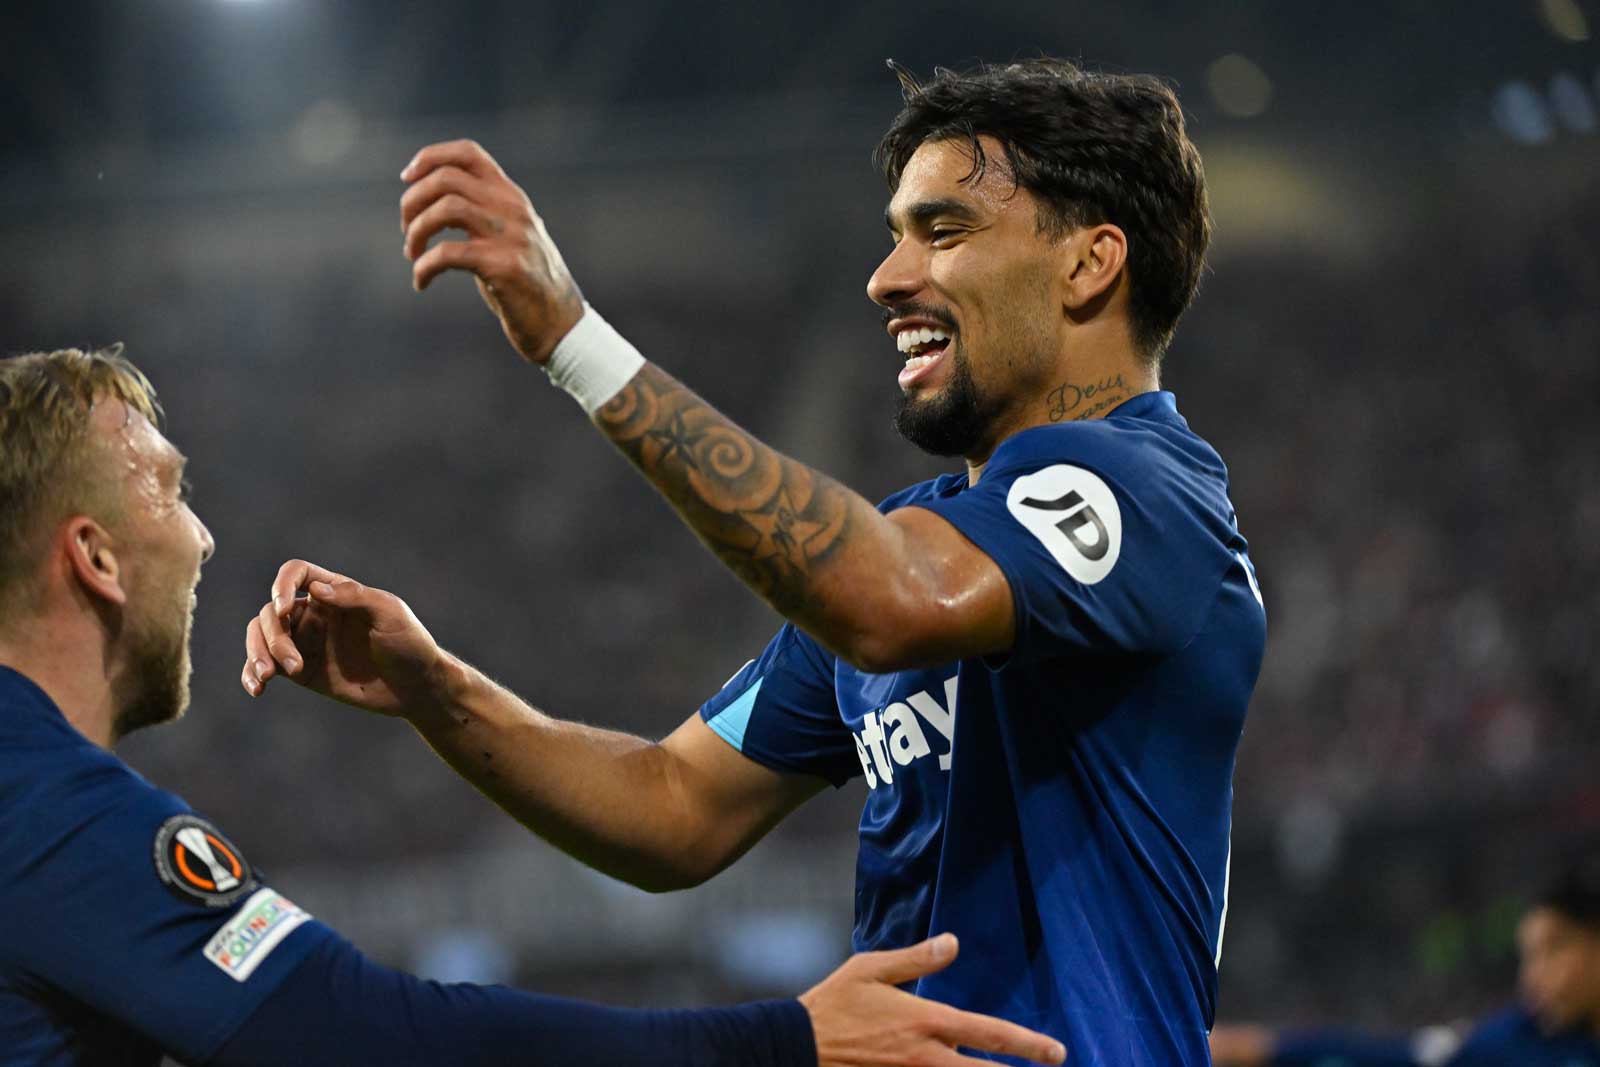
<point>951,422</point>
<point>159,667</point>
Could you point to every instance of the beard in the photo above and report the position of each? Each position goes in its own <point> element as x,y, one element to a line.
<point>159,668</point>
<point>951,422</point>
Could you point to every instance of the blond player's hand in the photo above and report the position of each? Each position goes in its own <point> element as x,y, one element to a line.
<point>861,1019</point>
<point>456,185</point>
<point>345,640</point>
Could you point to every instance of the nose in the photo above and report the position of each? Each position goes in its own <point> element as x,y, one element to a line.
<point>899,277</point>
<point>208,546</point>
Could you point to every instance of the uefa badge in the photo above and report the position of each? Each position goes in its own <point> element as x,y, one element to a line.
<point>197,863</point>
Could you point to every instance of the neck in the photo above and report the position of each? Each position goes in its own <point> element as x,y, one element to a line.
<point>74,670</point>
<point>1089,390</point>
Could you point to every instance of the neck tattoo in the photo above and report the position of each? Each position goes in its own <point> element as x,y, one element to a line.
<point>1071,401</point>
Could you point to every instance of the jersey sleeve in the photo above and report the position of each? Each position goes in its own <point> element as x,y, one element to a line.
<point>143,912</point>
<point>1101,554</point>
<point>781,711</point>
<point>339,1007</point>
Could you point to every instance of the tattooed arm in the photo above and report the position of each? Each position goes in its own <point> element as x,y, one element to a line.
<point>882,592</point>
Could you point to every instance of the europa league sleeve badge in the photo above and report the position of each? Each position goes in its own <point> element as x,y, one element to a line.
<point>197,863</point>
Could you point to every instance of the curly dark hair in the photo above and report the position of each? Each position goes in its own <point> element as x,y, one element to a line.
<point>1092,148</point>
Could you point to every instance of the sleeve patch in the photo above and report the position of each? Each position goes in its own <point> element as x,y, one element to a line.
<point>1074,514</point>
<point>198,864</point>
<point>254,931</point>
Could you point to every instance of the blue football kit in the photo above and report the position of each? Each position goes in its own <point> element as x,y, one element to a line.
<point>130,927</point>
<point>1509,1039</point>
<point>1063,807</point>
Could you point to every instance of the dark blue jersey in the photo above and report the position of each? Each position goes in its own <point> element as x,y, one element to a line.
<point>124,918</point>
<point>1509,1039</point>
<point>1514,1037</point>
<point>1065,807</point>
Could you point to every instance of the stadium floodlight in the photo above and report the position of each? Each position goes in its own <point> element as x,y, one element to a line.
<point>1520,112</point>
<point>1238,86</point>
<point>1571,102</point>
<point>1565,19</point>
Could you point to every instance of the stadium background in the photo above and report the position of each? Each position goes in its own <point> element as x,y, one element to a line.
<point>1397,349</point>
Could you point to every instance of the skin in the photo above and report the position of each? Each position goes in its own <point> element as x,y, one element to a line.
<point>1559,976</point>
<point>109,638</point>
<point>1041,326</point>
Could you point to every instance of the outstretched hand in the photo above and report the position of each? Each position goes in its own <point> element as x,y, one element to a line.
<point>860,1018</point>
<point>456,185</point>
<point>342,639</point>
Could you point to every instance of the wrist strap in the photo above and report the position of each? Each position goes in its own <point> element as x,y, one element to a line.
<point>593,362</point>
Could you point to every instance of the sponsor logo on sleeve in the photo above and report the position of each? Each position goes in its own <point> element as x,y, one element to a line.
<point>1074,514</point>
<point>254,931</point>
<point>197,863</point>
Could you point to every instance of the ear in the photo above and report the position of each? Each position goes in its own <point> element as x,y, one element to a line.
<point>91,554</point>
<point>1095,257</point>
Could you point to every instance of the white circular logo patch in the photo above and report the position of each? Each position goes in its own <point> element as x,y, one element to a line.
<point>1074,514</point>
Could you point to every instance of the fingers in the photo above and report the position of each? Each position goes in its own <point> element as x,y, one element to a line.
<point>279,645</point>
<point>451,211</point>
<point>258,666</point>
<point>293,577</point>
<point>468,155</point>
<point>899,966</point>
<point>441,183</point>
<point>476,255</point>
<point>986,1034</point>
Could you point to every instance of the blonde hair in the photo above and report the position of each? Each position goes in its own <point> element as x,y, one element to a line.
<point>46,468</point>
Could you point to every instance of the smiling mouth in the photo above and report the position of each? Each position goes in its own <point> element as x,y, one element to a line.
<point>924,349</point>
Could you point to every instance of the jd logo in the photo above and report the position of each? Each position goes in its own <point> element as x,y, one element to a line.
<point>1080,516</point>
<point>894,736</point>
<point>1074,514</point>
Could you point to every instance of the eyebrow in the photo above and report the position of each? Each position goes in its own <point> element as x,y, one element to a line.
<point>925,211</point>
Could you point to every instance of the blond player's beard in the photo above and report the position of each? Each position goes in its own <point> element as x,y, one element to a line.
<point>159,673</point>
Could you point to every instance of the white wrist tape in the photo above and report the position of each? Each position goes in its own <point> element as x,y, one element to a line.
<point>593,362</point>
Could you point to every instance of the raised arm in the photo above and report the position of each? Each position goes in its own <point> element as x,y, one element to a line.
<point>660,815</point>
<point>882,592</point>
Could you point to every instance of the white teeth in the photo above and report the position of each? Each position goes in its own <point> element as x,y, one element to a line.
<point>906,340</point>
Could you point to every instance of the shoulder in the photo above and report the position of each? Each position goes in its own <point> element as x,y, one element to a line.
<point>931,489</point>
<point>1141,444</point>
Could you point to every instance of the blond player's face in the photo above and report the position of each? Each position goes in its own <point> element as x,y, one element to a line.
<point>162,547</point>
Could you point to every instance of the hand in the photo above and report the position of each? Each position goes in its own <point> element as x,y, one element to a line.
<point>1241,1046</point>
<point>861,1020</point>
<point>521,276</point>
<point>344,640</point>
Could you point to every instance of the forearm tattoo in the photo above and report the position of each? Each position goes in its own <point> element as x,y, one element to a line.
<point>771,520</point>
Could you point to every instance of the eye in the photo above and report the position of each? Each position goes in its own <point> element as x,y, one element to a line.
<point>943,233</point>
<point>185,490</point>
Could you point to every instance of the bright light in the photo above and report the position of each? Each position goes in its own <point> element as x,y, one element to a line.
<point>1239,87</point>
<point>1564,18</point>
<point>326,132</point>
<point>1520,113</point>
<point>1572,104</point>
